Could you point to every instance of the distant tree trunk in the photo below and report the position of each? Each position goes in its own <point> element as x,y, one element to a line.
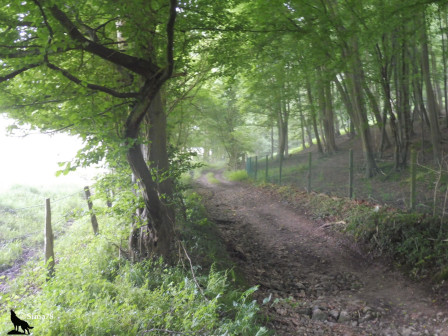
<point>313,116</point>
<point>327,117</point>
<point>444,62</point>
<point>302,120</point>
<point>401,76</point>
<point>348,104</point>
<point>282,125</point>
<point>380,120</point>
<point>435,77</point>
<point>355,76</point>
<point>309,133</point>
<point>386,67</point>
<point>286,117</point>
<point>431,99</point>
<point>417,85</point>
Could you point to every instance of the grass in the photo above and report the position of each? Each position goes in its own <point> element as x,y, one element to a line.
<point>236,176</point>
<point>211,178</point>
<point>22,220</point>
<point>94,292</point>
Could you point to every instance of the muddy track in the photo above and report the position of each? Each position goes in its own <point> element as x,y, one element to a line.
<point>318,281</point>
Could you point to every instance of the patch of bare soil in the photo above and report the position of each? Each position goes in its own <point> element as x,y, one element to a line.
<point>318,282</point>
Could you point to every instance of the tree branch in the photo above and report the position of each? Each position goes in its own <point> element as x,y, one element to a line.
<point>18,72</point>
<point>153,84</point>
<point>170,43</point>
<point>98,115</point>
<point>138,65</point>
<point>44,16</point>
<point>96,87</point>
<point>243,30</point>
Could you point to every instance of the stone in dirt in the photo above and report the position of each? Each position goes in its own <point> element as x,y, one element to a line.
<point>344,316</point>
<point>334,314</point>
<point>319,315</point>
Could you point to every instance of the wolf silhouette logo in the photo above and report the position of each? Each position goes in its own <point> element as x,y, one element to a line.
<point>19,323</point>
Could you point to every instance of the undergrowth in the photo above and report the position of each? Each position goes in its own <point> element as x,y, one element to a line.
<point>95,292</point>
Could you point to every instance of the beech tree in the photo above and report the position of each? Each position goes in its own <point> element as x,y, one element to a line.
<point>95,70</point>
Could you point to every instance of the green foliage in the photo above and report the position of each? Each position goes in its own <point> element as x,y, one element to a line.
<point>9,253</point>
<point>94,292</point>
<point>237,175</point>
<point>416,241</point>
<point>201,237</point>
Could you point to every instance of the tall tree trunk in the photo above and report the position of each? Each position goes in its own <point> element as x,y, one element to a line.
<point>302,120</point>
<point>282,126</point>
<point>444,61</point>
<point>348,104</point>
<point>309,133</point>
<point>329,118</point>
<point>437,91</point>
<point>326,112</point>
<point>401,76</point>
<point>380,120</point>
<point>313,116</point>
<point>431,99</point>
<point>157,138</point>
<point>355,76</point>
<point>157,235</point>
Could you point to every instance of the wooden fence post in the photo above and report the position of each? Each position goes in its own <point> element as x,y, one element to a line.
<point>49,241</point>
<point>413,177</point>
<point>350,174</point>
<point>92,214</point>
<point>267,169</point>
<point>309,171</point>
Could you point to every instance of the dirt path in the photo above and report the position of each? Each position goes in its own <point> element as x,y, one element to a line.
<point>318,282</point>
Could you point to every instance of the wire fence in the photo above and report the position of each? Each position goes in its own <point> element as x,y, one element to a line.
<point>27,225</point>
<point>418,187</point>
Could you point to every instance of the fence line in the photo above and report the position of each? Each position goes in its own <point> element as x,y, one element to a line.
<point>422,187</point>
<point>49,223</point>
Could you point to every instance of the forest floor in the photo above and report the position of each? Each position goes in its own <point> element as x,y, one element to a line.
<point>318,280</point>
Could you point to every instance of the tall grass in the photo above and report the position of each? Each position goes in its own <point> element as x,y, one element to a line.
<point>22,217</point>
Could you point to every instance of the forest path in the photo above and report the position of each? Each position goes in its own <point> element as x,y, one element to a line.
<point>318,281</point>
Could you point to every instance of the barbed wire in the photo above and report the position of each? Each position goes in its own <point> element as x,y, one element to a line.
<point>13,210</point>
<point>16,212</point>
